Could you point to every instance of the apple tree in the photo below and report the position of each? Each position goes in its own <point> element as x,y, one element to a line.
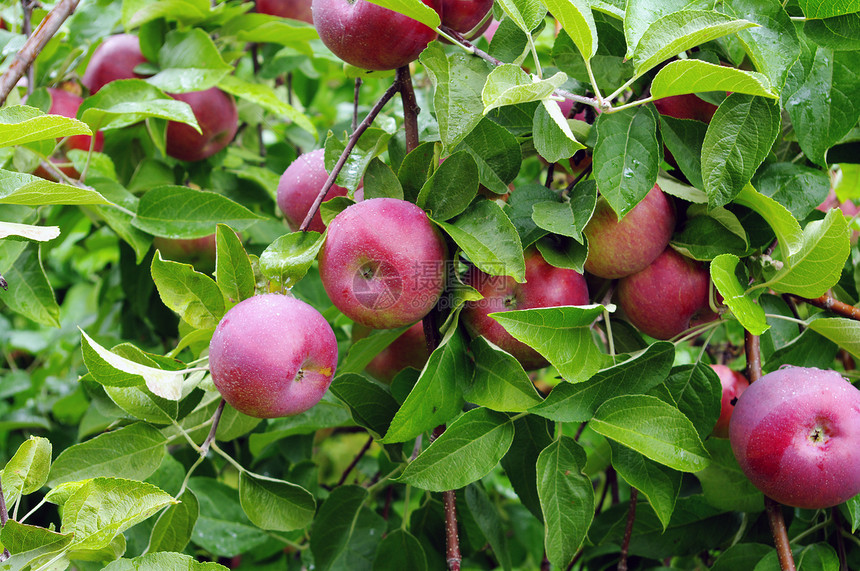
<point>442,284</point>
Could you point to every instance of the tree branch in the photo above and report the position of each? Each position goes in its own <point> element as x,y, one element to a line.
<point>628,531</point>
<point>355,460</point>
<point>216,419</point>
<point>410,107</point>
<point>34,44</point>
<point>834,305</point>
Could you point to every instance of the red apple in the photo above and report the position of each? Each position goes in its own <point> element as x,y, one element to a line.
<point>491,30</point>
<point>618,248</point>
<point>114,59</point>
<point>733,385</point>
<point>218,118</point>
<point>408,350</point>
<point>199,252</point>
<point>796,435</point>
<point>663,299</point>
<point>470,17</point>
<point>295,9</point>
<point>383,263</point>
<point>370,36</point>
<point>545,286</point>
<point>66,104</point>
<point>272,356</point>
<point>686,106</point>
<point>299,186</point>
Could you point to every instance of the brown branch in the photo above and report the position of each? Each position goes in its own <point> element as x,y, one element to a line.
<point>452,540</point>
<point>833,305</point>
<point>752,345</point>
<point>840,541</point>
<point>410,107</point>
<point>4,517</point>
<point>355,102</point>
<point>34,44</point>
<point>355,460</point>
<point>27,29</point>
<point>628,531</point>
<point>550,173</point>
<point>216,419</point>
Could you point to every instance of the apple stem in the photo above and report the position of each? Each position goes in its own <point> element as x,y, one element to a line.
<point>356,91</point>
<point>355,460</point>
<point>752,346</point>
<point>832,304</point>
<point>550,172</point>
<point>216,419</point>
<point>628,531</point>
<point>34,44</point>
<point>780,534</point>
<point>410,107</point>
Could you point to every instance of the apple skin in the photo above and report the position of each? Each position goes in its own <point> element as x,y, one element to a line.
<point>618,248</point>
<point>370,36</point>
<point>218,118</point>
<point>295,9</point>
<point>114,59</point>
<point>663,299</point>
<point>383,263</point>
<point>67,104</point>
<point>199,252</point>
<point>686,106</point>
<point>796,435</point>
<point>299,186</point>
<point>733,385</point>
<point>465,15</point>
<point>545,286</point>
<point>408,350</point>
<point>272,355</point>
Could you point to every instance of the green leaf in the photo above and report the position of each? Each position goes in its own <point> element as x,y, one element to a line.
<point>569,402</point>
<point>172,529</point>
<point>467,451</point>
<point>724,272</point>
<point>370,404</point>
<point>817,266</point>
<point>264,28</point>
<point>694,75</point>
<point>531,435</point>
<point>138,12</point>
<point>561,334</point>
<point>414,9</point>
<point>626,156</point>
<point>707,234</point>
<point>842,331</point>
<point>380,181</point>
<point>568,219</point>
<point>400,550</point>
<point>437,396</point>
<point>553,138</point>
<point>373,142</point>
<point>489,238</point>
<point>563,252</point>
<point>162,561</point>
<point>416,168</point>
<point>784,225</point>
<point>822,9</point>
<point>697,392</point>
<point>21,124</point>
<point>799,188</point>
<point>680,31</point>
<point>31,540</point>
<point>451,188</point>
<point>265,97</point>
<point>520,209</point>
<point>508,84</point>
<point>653,428</point>
<point>497,153</point>
<point>29,291</point>
<point>659,483</point>
<point>189,61</point>
<point>576,19</point>
<point>275,504</point>
<point>339,536</point>
<point>738,139</point>
<point>222,527</point>
<point>724,484</point>
<point>29,190</point>
<point>741,556</point>
<point>488,516</point>
<point>527,14</point>
<point>194,296</point>
<point>566,499</point>
<point>233,271</point>
<point>362,351</point>
<point>134,451</point>
<point>125,102</point>
<point>27,471</point>
<point>500,382</point>
<point>638,15</point>
<point>182,212</point>
<point>29,231</point>
<point>840,33</point>
<point>289,257</point>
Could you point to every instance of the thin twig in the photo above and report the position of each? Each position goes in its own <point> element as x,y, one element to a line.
<point>550,173</point>
<point>833,305</point>
<point>27,29</point>
<point>34,45</point>
<point>628,531</point>
<point>355,460</point>
<point>752,345</point>
<point>840,541</point>
<point>4,517</point>
<point>216,418</point>
<point>355,103</point>
<point>255,61</point>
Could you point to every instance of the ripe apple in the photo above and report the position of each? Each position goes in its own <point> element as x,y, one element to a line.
<point>67,104</point>
<point>408,350</point>
<point>545,286</point>
<point>618,248</point>
<point>272,355</point>
<point>469,17</point>
<point>663,299</point>
<point>199,252</point>
<point>218,118</point>
<point>686,106</point>
<point>370,36</point>
<point>796,435</point>
<point>114,59</point>
<point>733,385</point>
<point>299,186</point>
<point>383,263</point>
<point>295,9</point>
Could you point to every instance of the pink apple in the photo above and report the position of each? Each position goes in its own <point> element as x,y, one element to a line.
<point>295,9</point>
<point>733,385</point>
<point>218,118</point>
<point>114,59</point>
<point>272,356</point>
<point>299,186</point>
<point>796,435</point>
<point>383,263</point>
<point>408,350</point>
<point>545,286</point>
<point>618,248</point>
<point>663,299</point>
<point>369,36</point>
<point>199,252</point>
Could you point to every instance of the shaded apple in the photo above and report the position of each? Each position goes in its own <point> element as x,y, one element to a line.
<point>733,385</point>
<point>67,104</point>
<point>369,36</point>
<point>468,17</point>
<point>383,263</point>
<point>796,435</point>
<point>295,9</point>
<point>218,118</point>
<point>618,248</point>
<point>687,106</point>
<point>272,355</point>
<point>114,59</point>
<point>299,186</point>
<point>545,286</point>
<point>663,299</point>
<point>199,252</point>
<point>408,350</point>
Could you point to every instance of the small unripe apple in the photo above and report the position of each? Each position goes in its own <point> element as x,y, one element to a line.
<point>295,9</point>
<point>114,59</point>
<point>218,118</point>
<point>272,355</point>
<point>299,186</point>
<point>545,286</point>
<point>666,296</point>
<point>733,385</point>
<point>369,36</point>
<point>408,350</point>
<point>796,435</point>
<point>383,263</point>
<point>618,248</point>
